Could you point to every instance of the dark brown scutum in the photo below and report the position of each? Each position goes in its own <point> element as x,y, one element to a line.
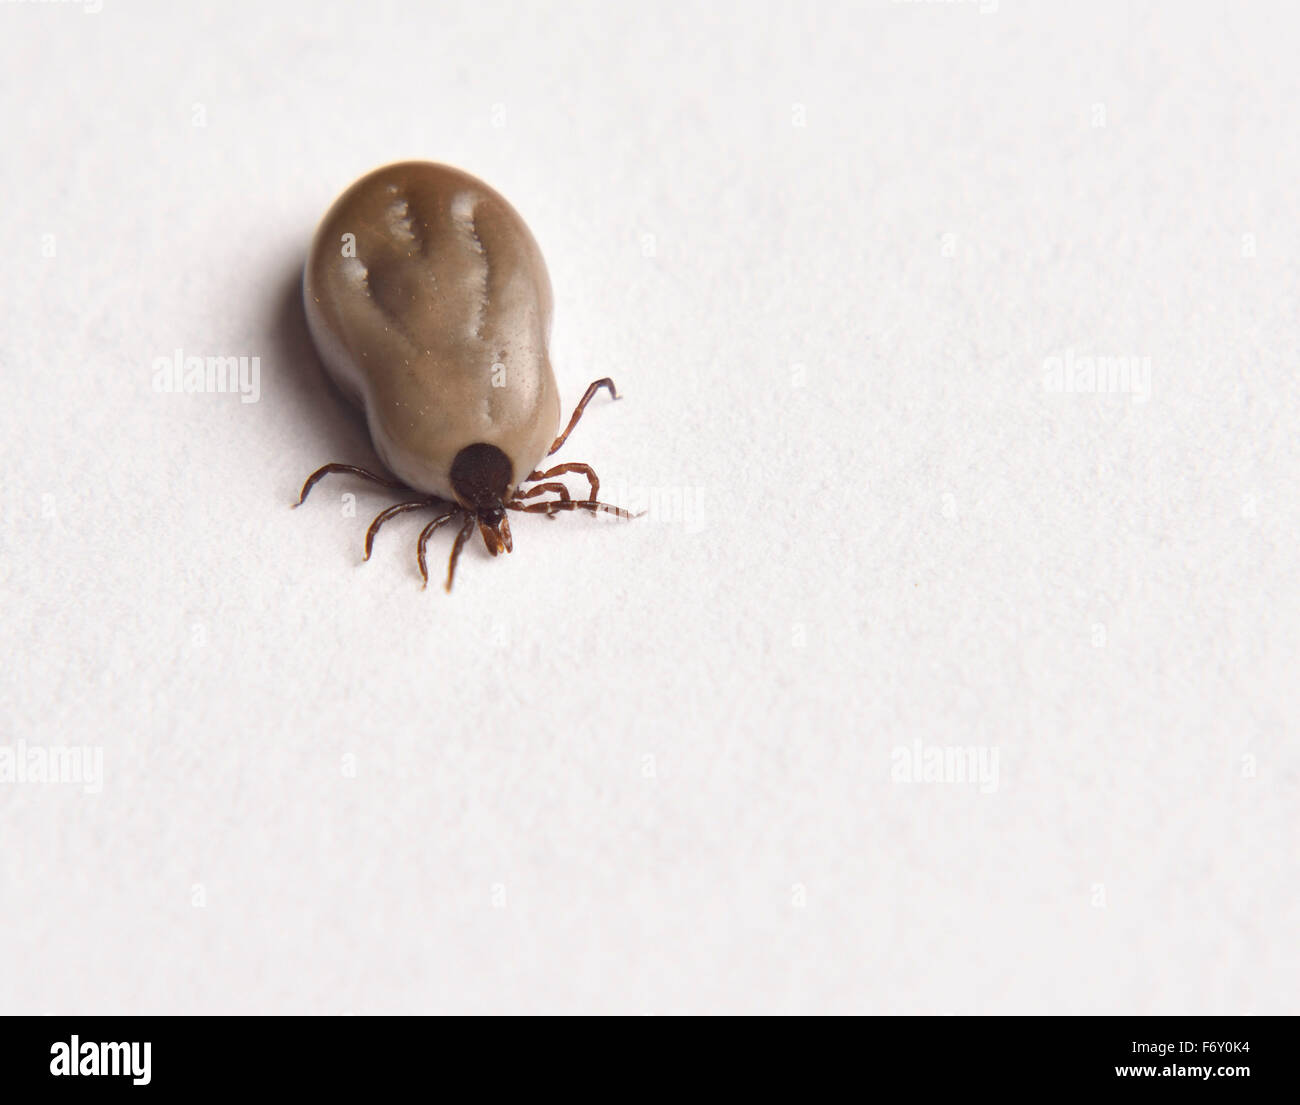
<point>480,476</point>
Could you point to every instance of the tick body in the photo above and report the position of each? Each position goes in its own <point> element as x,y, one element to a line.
<point>430,306</point>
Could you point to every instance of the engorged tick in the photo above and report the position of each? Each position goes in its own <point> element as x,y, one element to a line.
<point>430,306</point>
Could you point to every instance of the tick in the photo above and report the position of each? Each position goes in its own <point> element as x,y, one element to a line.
<point>430,306</point>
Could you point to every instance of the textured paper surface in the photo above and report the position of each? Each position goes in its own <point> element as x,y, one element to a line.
<point>840,260</point>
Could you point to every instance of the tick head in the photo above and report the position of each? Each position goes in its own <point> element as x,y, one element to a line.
<point>480,476</point>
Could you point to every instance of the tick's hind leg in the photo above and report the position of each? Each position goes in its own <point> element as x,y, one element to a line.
<point>558,488</point>
<point>592,388</point>
<point>350,469</point>
<point>573,466</point>
<point>571,504</point>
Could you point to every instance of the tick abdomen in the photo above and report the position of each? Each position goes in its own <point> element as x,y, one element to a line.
<point>430,304</point>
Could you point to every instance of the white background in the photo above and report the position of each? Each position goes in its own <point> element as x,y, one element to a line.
<point>828,252</point>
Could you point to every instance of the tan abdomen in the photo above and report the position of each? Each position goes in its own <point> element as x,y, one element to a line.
<point>430,305</point>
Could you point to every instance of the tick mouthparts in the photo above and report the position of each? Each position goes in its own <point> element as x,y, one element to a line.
<point>496,538</point>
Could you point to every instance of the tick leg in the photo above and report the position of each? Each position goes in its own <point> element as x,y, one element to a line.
<point>573,504</point>
<point>558,488</point>
<point>383,516</point>
<point>461,538</point>
<point>559,470</point>
<point>428,532</point>
<point>592,388</point>
<point>351,469</point>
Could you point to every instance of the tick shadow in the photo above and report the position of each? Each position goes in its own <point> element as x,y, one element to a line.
<point>310,395</point>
